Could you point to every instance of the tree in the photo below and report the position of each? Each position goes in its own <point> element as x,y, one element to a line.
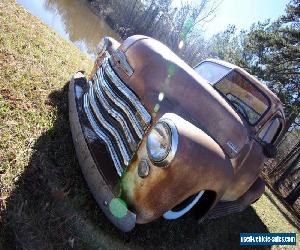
<point>229,46</point>
<point>177,26</point>
<point>275,50</point>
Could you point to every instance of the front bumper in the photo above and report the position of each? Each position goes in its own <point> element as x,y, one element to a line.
<point>86,144</point>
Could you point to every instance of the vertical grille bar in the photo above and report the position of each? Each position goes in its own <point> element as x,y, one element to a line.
<point>112,119</point>
<point>131,97</point>
<point>99,132</point>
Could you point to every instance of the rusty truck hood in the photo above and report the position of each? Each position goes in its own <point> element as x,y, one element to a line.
<point>165,83</point>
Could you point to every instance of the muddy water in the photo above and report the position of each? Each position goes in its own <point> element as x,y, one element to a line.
<point>73,20</point>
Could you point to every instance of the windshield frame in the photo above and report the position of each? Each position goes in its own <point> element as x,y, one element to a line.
<point>231,104</point>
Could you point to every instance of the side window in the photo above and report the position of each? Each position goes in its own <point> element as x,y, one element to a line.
<point>271,131</point>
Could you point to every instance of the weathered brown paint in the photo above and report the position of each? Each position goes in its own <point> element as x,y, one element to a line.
<point>185,91</point>
<point>205,123</point>
<point>199,164</point>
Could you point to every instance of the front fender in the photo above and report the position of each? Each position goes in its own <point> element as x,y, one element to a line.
<point>199,164</point>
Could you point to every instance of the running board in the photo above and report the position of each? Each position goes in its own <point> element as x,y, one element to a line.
<point>224,208</point>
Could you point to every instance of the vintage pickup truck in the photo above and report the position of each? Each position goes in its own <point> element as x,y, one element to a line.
<point>155,137</point>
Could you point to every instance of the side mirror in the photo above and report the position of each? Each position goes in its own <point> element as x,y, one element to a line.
<point>270,150</point>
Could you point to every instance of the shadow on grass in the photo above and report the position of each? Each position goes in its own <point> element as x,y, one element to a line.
<point>287,211</point>
<point>51,207</point>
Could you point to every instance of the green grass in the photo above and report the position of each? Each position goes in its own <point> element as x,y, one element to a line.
<point>44,201</point>
<point>34,62</point>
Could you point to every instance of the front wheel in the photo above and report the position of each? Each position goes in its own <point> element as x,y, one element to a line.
<point>182,208</point>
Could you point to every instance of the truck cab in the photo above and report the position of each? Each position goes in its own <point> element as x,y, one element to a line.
<point>250,98</point>
<point>157,138</point>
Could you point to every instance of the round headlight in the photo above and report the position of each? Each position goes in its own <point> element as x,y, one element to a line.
<point>159,142</point>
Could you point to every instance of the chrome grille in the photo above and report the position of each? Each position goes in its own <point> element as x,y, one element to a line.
<point>116,115</point>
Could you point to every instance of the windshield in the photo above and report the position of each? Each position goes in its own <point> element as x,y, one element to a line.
<point>248,100</point>
<point>211,72</point>
<point>244,96</point>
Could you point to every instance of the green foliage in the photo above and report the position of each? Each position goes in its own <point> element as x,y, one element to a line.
<point>270,51</point>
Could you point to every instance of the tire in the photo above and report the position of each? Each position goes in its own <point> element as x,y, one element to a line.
<point>184,207</point>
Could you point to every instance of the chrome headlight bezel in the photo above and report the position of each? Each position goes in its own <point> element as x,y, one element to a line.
<point>172,133</point>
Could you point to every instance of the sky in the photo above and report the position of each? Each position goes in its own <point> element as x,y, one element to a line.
<point>243,13</point>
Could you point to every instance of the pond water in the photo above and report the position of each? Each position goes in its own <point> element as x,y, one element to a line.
<point>73,20</point>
